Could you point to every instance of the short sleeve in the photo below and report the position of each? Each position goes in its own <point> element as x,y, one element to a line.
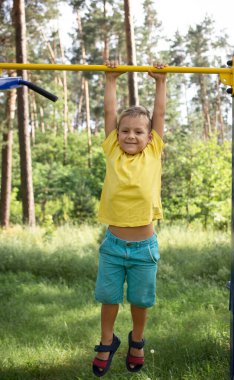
<point>110,143</point>
<point>157,143</point>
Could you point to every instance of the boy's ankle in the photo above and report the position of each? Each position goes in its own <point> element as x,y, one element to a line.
<point>137,337</point>
<point>107,339</point>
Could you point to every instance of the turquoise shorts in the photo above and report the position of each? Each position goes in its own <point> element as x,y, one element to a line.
<point>133,262</point>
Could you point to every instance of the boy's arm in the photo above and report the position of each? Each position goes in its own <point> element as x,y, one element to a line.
<point>110,102</point>
<point>159,102</point>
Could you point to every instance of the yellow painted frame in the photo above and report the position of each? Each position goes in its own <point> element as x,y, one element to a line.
<point>226,74</point>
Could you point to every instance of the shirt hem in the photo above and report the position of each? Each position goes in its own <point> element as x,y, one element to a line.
<point>119,224</point>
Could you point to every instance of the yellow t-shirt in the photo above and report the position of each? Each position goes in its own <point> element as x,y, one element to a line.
<point>131,194</point>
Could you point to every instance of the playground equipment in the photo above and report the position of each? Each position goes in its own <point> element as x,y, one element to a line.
<point>7,83</point>
<point>226,77</point>
<point>226,74</point>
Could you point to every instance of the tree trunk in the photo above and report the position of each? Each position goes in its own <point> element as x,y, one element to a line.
<point>42,124</point>
<point>65,102</point>
<point>86,85</point>
<point>131,54</point>
<point>22,113</point>
<point>205,108</point>
<point>106,39</point>
<point>7,159</point>
<point>80,104</point>
<point>52,58</point>
<point>32,123</point>
<point>219,116</point>
<point>86,91</point>
<point>33,117</point>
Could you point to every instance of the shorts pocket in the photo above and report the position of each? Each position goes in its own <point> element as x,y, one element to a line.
<point>154,253</point>
<point>103,243</point>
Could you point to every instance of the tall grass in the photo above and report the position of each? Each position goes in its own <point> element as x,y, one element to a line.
<point>49,321</point>
<point>64,253</point>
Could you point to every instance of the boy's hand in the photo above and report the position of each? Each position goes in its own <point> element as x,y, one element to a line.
<point>112,65</point>
<point>158,76</point>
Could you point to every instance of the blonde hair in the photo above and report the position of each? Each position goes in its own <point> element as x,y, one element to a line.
<point>136,111</point>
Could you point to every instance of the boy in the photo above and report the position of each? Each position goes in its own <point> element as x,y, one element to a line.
<point>130,201</point>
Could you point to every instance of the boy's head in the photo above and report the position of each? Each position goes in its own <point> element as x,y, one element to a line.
<point>136,111</point>
<point>134,129</point>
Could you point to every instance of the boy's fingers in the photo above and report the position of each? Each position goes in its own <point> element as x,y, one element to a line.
<point>111,64</point>
<point>159,65</point>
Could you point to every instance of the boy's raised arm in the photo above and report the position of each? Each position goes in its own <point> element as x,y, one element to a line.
<point>160,101</point>
<point>110,101</point>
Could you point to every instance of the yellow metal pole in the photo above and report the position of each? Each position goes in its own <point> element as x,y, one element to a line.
<point>168,69</point>
<point>226,74</point>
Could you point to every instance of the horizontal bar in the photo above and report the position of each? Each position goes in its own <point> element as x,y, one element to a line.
<point>168,69</point>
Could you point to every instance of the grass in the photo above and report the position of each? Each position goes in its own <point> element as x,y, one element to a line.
<point>49,322</point>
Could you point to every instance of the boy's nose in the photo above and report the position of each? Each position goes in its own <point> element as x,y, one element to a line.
<point>131,135</point>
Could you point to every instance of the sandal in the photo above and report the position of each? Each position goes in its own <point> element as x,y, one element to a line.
<point>137,361</point>
<point>100,367</point>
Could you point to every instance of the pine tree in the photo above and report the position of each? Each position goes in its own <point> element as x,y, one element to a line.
<point>131,53</point>
<point>6,177</point>
<point>22,113</point>
<point>199,45</point>
<point>7,135</point>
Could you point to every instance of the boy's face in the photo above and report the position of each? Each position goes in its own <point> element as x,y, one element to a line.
<point>134,134</point>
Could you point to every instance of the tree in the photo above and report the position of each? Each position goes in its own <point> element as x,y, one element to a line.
<point>22,114</point>
<point>86,89</point>
<point>7,159</point>
<point>131,53</point>
<point>9,105</point>
<point>149,34</point>
<point>199,44</point>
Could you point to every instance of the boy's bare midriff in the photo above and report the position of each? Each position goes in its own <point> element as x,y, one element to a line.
<point>133,233</point>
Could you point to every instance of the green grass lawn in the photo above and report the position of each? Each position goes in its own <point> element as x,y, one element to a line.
<point>49,321</point>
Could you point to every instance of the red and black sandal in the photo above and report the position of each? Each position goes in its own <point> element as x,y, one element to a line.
<point>137,361</point>
<point>100,367</point>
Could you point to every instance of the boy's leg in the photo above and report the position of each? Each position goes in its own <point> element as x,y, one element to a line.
<point>139,317</point>
<point>141,291</point>
<point>108,317</point>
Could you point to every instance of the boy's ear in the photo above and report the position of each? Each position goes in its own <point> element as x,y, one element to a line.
<point>150,136</point>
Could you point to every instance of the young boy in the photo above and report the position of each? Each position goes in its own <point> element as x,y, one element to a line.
<point>130,201</point>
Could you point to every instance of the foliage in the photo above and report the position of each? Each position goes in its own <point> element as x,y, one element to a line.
<point>71,190</point>
<point>196,173</point>
<point>196,180</point>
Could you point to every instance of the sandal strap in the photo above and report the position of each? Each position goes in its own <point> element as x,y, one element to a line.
<point>133,344</point>
<point>103,348</point>
<point>136,360</point>
<point>107,348</point>
<point>100,363</point>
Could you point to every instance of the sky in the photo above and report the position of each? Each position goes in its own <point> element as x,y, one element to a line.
<point>180,14</point>
<point>174,15</point>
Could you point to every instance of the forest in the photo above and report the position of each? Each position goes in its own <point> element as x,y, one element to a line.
<point>52,164</point>
<point>52,172</point>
